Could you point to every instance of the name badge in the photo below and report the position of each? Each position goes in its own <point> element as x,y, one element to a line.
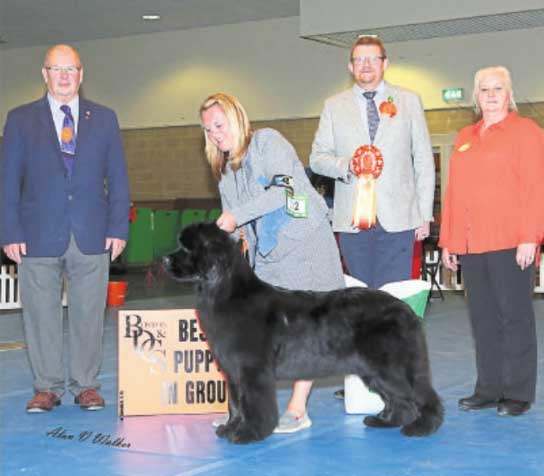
<point>297,205</point>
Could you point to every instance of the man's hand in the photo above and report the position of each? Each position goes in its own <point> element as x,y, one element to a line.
<point>116,246</point>
<point>15,251</point>
<point>226,222</point>
<point>423,231</point>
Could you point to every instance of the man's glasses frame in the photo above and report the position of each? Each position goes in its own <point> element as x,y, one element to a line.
<point>56,69</point>
<point>358,60</point>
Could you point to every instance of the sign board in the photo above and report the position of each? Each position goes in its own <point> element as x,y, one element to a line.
<point>166,366</point>
<point>453,94</point>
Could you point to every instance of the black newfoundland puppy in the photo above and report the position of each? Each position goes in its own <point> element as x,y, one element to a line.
<point>259,333</point>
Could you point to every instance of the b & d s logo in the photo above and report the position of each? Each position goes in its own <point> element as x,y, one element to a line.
<point>148,339</point>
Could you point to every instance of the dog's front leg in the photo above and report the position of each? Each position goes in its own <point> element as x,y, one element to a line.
<point>258,406</point>
<point>223,431</point>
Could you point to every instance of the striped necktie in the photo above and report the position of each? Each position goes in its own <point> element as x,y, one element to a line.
<point>372,114</point>
<point>68,139</point>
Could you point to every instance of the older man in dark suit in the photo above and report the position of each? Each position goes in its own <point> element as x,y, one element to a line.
<point>64,213</point>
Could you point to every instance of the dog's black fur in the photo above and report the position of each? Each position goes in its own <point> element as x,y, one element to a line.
<point>260,333</point>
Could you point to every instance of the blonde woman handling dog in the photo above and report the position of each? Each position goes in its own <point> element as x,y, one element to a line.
<point>266,194</point>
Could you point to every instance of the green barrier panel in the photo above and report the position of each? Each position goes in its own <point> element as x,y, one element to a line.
<point>214,214</point>
<point>139,249</point>
<point>198,215</point>
<point>165,233</point>
<point>193,215</point>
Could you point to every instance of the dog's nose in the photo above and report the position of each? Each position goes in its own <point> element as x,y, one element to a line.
<point>166,261</point>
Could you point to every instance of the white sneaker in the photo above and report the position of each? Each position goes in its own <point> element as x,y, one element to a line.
<point>290,423</point>
<point>222,420</point>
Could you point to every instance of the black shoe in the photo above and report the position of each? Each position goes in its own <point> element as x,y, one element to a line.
<point>339,394</point>
<point>476,402</point>
<point>512,407</point>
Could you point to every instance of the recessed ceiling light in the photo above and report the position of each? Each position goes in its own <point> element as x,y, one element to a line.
<point>151,17</point>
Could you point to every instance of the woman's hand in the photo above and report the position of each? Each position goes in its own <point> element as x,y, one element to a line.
<point>449,260</point>
<point>226,222</point>
<point>525,255</point>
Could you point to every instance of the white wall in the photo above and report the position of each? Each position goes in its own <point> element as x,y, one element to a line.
<point>161,79</point>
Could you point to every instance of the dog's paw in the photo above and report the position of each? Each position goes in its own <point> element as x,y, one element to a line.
<point>421,427</point>
<point>243,436</point>
<point>376,422</point>
<point>413,429</point>
<point>223,431</point>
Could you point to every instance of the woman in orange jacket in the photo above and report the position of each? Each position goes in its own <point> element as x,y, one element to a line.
<point>492,225</point>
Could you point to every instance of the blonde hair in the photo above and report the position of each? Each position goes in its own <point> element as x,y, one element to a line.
<point>240,129</point>
<point>501,71</point>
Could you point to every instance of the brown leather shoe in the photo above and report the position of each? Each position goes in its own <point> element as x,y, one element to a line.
<point>42,402</point>
<point>90,400</point>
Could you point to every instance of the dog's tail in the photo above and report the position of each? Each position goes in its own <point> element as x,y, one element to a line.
<point>431,411</point>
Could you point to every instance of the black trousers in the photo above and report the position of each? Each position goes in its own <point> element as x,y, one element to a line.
<point>500,300</point>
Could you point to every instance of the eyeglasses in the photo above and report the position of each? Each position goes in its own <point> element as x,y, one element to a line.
<point>63,69</point>
<point>358,60</point>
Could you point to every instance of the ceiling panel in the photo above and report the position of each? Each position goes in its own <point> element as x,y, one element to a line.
<point>46,22</point>
<point>438,29</point>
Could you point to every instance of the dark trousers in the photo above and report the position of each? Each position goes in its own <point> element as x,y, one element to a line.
<point>378,257</point>
<point>500,300</point>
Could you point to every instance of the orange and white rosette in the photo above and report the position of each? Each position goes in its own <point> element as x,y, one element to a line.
<point>367,165</point>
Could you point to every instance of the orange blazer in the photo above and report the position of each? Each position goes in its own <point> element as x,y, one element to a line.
<point>493,199</point>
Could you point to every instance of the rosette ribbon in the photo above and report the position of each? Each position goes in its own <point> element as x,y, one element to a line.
<point>367,165</point>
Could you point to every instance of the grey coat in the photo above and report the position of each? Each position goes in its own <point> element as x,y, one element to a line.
<point>295,253</point>
<point>405,189</point>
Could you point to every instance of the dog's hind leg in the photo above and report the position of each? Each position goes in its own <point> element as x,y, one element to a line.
<point>416,408</point>
<point>396,413</point>
<point>399,408</point>
<point>258,406</point>
<point>431,411</point>
<point>383,418</point>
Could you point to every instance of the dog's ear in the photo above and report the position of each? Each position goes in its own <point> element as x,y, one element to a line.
<point>211,248</point>
<point>190,236</point>
<point>200,234</point>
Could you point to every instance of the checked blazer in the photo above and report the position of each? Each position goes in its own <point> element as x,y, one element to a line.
<point>405,189</point>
